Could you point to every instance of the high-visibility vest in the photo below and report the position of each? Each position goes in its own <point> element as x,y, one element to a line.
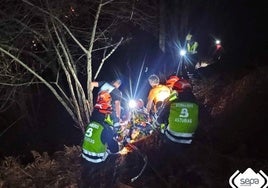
<point>93,149</point>
<point>191,47</point>
<point>183,122</point>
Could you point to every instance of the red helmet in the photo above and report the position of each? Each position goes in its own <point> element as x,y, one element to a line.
<point>104,102</point>
<point>104,97</point>
<point>171,81</point>
<point>181,85</point>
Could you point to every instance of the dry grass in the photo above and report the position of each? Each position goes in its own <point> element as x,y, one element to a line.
<point>61,170</point>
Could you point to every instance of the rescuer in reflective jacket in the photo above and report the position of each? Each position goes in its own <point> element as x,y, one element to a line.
<point>191,46</point>
<point>99,137</point>
<point>181,114</point>
<point>98,143</point>
<point>116,97</point>
<point>157,94</point>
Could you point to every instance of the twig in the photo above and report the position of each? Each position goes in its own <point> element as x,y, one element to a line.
<point>26,173</point>
<point>11,125</point>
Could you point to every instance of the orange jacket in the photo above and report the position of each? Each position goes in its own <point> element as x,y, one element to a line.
<point>157,94</point>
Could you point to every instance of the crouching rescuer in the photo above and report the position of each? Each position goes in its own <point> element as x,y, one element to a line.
<point>180,115</point>
<point>98,143</point>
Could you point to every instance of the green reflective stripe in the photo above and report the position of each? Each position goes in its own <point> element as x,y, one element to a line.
<point>188,47</point>
<point>191,48</point>
<point>108,119</point>
<point>173,96</point>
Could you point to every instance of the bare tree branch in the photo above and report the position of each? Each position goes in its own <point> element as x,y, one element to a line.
<point>55,51</point>
<point>106,57</point>
<point>65,27</point>
<point>43,81</point>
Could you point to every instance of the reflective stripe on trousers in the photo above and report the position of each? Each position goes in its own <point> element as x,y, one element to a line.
<point>94,157</point>
<point>183,138</point>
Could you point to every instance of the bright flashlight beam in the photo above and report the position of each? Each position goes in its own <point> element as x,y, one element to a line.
<point>138,81</point>
<point>217,41</point>
<point>132,103</point>
<point>182,52</point>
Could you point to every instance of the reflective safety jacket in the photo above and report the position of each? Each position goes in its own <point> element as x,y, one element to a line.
<point>93,149</point>
<point>182,121</point>
<point>116,97</point>
<point>158,94</point>
<point>192,47</point>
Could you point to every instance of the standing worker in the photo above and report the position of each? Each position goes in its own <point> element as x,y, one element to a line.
<point>157,94</point>
<point>191,46</point>
<point>116,96</point>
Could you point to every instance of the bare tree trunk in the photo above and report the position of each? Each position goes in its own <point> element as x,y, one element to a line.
<point>89,56</point>
<point>162,26</point>
<point>184,18</point>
